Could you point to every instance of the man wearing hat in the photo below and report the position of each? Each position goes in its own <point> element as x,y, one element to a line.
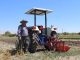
<point>23,35</point>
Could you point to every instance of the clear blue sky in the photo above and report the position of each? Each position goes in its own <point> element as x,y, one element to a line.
<point>66,14</point>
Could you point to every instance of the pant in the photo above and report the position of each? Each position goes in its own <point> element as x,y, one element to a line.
<point>24,43</point>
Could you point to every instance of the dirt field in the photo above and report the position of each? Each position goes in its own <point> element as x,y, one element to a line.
<point>7,44</point>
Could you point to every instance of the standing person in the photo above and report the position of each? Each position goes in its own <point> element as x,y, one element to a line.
<point>23,35</point>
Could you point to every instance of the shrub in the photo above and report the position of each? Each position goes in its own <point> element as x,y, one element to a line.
<point>65,33</point>
<point>9,34</point>
<point>78,33</point>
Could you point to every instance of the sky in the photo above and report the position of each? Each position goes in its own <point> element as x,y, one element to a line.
<point>65,15</point>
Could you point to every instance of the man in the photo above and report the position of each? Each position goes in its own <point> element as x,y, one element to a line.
<point>23,35</point>
<point>52,40</point>
<point>53,32</point>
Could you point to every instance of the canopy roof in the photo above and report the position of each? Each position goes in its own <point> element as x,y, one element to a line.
<point>38,11</point>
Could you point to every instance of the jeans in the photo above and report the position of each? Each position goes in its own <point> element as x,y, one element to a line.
<point>24,43</point>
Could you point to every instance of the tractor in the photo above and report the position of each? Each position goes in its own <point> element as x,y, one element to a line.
<point>38,35</point>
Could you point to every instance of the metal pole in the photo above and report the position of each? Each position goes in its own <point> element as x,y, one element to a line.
<point>35,18</point>
<point>45,23</point>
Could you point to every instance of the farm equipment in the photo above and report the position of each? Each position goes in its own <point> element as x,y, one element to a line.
<point>37,38</point>
<point>57,45</point>
<point>54,43</point>
<point>40,39</point>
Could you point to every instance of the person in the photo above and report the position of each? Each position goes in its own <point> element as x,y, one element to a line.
<point>23,35</point>
<point>53,32</point>
<point>52,40</point>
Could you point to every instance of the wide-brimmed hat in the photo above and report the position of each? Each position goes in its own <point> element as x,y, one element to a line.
<point>23,21</point>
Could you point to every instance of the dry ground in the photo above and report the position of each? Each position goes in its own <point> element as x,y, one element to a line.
<point>5,47</point>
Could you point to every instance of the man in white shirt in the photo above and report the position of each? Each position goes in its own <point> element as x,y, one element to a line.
<point>23,35</point>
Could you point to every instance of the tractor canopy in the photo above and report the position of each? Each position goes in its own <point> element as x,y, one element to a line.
<point>38,11</point>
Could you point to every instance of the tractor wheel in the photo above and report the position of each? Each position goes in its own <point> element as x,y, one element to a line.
<point>32,47</point>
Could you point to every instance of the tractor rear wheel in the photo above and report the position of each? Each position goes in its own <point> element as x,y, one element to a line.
<point>32,47</point>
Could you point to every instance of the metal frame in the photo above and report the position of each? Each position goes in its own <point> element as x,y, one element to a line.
<point>39,11</point>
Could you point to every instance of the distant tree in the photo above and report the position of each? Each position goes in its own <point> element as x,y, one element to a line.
<point>12,35</point>
<point>78,33</point>
<point>7,33</point>
<point>74,33</point>
<point>65,33</point>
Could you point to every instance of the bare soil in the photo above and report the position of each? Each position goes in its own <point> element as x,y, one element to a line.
<point>7,45</point>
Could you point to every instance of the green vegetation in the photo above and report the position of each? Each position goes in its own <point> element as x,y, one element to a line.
<point>45,55</point>
<point>69,37</point>
<point>9,34</point>
<point>66,35</point>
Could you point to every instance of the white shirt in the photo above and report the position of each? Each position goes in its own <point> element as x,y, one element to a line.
<point>24,31</point>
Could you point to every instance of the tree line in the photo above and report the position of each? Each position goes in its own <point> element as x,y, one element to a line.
<point>9,34</point>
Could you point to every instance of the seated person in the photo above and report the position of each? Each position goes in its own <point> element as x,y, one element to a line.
<point>52,40</point>
<point>53,34</point>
